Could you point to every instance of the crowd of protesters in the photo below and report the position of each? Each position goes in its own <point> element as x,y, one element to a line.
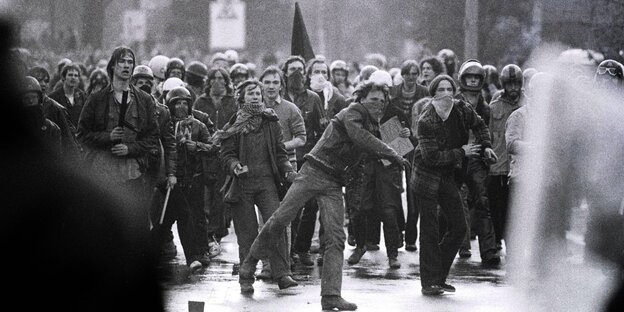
<point>204,143</point>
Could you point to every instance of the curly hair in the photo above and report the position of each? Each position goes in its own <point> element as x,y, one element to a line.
<point>437,65</point>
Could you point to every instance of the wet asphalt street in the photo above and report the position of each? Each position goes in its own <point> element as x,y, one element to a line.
<point>370,284</point>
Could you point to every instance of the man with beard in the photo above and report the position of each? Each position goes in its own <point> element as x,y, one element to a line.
<point>471,79</point>
<point>70,96</point>
<point>348,136</point>
<point>56,113</point>
<point>118,126</point>
<point>195,78</point>
<point>498,189</point>
<point>442,146</point>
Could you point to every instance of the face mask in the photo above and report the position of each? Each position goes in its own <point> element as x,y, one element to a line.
<point>514,95</point>
<point>253,109</point>
<point>376,109</point>
<point>295,81</point>
<point>146,88</point>
<point>317,82</point>
<point>217,88</point>
<point>443,105</point>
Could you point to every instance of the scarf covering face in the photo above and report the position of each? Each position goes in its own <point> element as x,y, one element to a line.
<point>295,82</point>
<point>248,119</point>
<point>319,84</point>
<point>217,88</point>
<point>443,105</point>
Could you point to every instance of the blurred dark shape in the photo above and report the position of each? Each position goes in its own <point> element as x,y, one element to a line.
<point>300,44</point>
<point>69,243</point>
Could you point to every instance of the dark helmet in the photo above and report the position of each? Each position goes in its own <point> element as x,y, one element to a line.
<point>175,63</point>
<point>178,93</point>
<point>30,84</point>
<point>239,69</point>
<point>198,69</point>
<point>511,73</point>
<point>610,67</point>
<point>471,67</point>
<point>39,72</point>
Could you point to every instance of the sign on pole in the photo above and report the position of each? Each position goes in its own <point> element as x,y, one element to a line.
<point>227,24</point>
<point>134,27</point>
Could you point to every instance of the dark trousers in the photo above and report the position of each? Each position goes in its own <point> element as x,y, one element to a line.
<point>411,226</point>
<point>305,232</point>
<point>381,197</point>
<point>478,213</point>
<point>215,209</point>
<point>437,255</point>
<point>498,191</point>
<point>186,207</point>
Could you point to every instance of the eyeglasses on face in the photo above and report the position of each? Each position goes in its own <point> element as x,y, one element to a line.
<point>603,70</point>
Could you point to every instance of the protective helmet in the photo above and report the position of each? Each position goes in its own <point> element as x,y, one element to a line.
<point>62,63</point>
<point>175,63</point>
<point>142,71</point>
<point>380,78</point>
<point>511,73</point>
<point>172,83</point>
<point>610,67</point>
<point>231,56</point>
<point>491,74</point>
<point>239,69</point>
<point>30,84</point>
<point>158,64</point>
<point>527,74</point>
<point>198,69</point>
<point>218,56</point>
<point>178,93</point>
<point>338,65</point>
<point>471,67</point>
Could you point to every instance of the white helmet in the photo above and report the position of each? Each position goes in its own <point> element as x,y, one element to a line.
<point>158,64</point>
<point>380,78</point>
<point>171,83</point>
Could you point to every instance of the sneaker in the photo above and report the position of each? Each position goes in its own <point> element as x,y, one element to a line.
<point>371,246</point>
<point>305,258</point>
<point>336,302</point>
<point>195,266</point>
<point>356,255</point>
<point>432,290</point>
<point>214,249</point>
<point>319,260</point>
<point>464,253</point>
<point>411,247</point>
<point>447,287</point>
<point>394,263</point>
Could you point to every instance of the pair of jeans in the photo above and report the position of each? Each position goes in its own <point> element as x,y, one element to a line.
<point>261,192</point>
<point>437,255</point>
<point>381,198</point>
<point>214,208</point>
<point>305,231</point>
<point>310,183</point>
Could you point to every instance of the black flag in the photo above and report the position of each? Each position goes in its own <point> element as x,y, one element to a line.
<point>300,41</point>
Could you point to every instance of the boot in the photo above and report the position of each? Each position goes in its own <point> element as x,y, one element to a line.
<point>336,302</point>
<point>305,258</point>
<point>356,255</point>
<point>286,282</point>
<point>247,269</point>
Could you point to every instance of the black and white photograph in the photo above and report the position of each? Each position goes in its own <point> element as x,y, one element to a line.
<point>312,155</point>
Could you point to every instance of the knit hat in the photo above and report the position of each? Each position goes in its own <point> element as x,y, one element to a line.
<point>433,86</point>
